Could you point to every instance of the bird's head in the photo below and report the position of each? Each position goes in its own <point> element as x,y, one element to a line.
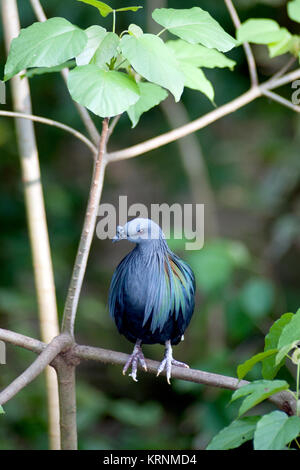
<point>139,231</point>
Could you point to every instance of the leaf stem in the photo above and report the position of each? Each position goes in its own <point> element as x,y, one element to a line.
<point>114,21</point>
<point>162,31</point>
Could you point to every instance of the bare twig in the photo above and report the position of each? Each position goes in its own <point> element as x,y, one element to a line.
<point>51,122</point>
<point>86,118</point>
<point>112,126</point>
<point>203,121</point>
<point>285,68</point>
<point>34,201</point>
<point>281,100</point>
<point>246,46</point>
<point>46,357</point>
<point>86,236</point>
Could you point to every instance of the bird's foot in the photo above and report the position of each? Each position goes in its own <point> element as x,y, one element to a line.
<point>137,357</point>
<point>168,361</point>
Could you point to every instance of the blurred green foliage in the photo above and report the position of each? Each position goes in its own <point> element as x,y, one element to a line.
<point>247,275</point>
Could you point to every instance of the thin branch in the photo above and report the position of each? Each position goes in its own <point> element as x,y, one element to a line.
<point>46,357</point>
<point>86,118</point>
<point>112,126</point>
<point>283,400</point>
<point>51,122</point>
<point>25,342</point>
<point>285,68</point>
<point>203,121</point>
<point>246,46</point>
<point>281,100</point>
<point>86,236</point>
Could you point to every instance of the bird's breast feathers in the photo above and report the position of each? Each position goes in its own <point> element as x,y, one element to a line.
<point>153,288</point>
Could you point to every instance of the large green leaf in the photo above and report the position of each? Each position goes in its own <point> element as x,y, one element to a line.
<point>269,369</point>
<point>150,96</point>
<point>45,44</point>
<point>199,56</point>
<point>195,79</point>
<point>151,58</point>
<point>2,412</point>
<point>195,26</point>
<point>106,93</point>
<point>238,432</point>
<point>258,391</point>
<point>244,368</point>
<point>260,31</point>
<point>275,430</point>
<point>293,9</point>
<point>289,337</point>
<point>95,35</point>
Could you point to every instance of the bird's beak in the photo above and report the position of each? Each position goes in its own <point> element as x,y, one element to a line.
<point>120,235</point>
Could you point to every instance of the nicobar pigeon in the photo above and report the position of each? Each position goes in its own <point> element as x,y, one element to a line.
<point>152,294</point>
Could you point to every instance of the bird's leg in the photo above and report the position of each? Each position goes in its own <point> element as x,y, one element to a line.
<point>136,357</point>
<point>168,361</point>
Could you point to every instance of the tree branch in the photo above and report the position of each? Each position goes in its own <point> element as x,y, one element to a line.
<point>203,121</point>
<point>46,357</point>
<point>246,46</point>
<point>25,342</point>
<point>281,100</point>
<point>86,118</point>
<point>86,236</point>
<point>51,122</point>
<point>283,400</point>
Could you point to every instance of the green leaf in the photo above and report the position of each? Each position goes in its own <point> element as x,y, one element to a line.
<point>150,96</point>
<point>195,79</point>
<point>289,337</point>
<point>258,391</point>
<point>103,8</point>
<point>128,8</point>
<point>283,46</point>
<point>135,30</point>
<point>41,70</point>
<point>106,93</point>
<point>260,31</point>
<point>257,297</point>
<point>107,50</point>
<point>195,26</point>
<point>100,48</point>
<point>151,58</point>
<point>95,35</point>
<point>269,369</point>
<point>244,368</point>
<point>45,44</point>
<point>238,432</point>
<point>2,412</point>
<point>275,430</point>
<point>293,9</point>
<point>199,56</point>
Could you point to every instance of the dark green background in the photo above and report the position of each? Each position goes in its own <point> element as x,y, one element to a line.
<point>247,274</point>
